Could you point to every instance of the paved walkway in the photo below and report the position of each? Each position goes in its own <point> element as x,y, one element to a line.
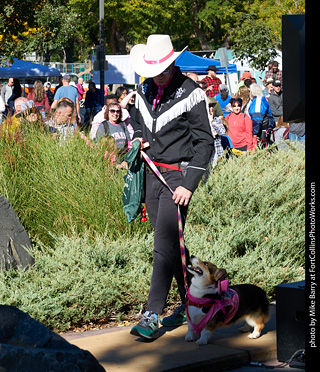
<point>117,350</point>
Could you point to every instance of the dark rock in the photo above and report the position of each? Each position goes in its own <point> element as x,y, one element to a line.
<point>14,240</point>
<point>27,345</point>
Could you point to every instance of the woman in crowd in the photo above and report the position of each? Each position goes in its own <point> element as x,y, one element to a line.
<point>240,127</point>
<point>121,92</point>
<point>16,93</point>
<point>39,97</point>
<point>115,127</point>
<point>48,92</point>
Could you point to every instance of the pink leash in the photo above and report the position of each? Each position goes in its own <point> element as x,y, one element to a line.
<point>181,237</point>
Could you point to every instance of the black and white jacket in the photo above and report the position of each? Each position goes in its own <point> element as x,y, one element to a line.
<point>178,129</point>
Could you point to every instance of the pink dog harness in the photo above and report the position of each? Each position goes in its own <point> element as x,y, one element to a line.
<point>229,299</point>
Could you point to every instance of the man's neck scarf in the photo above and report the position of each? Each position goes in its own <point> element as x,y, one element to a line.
<point>161,89</point>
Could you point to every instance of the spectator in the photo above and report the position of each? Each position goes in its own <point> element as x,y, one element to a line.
<point>273,73</point>
<point>240,127</point>
<point>114,126</point>
<point>218,129</point>
<point>59,85</point>
<point>16,93</point>
<point>193,76</point>
<point>244,94</point>
<point>106,90</point>
<point>212,81</point>
<point>61,120</point>
<point>297,131</point>
<point>2,105</point>
<point>80,88</point>
<point>223,98</point>
<point>48,92</point>
<point>70,92</point>
<point>99,117</point>
<point>39,97</point>
<point>6,91</point>
<point>276,105</point>
<point>19,101</point>
<point>245,75</point>
<point>260,114</point>
<point>121,92</point>
<point>268,88</point>
<point>94,99</point>
<point>31,113</point>
<point>214,108</point>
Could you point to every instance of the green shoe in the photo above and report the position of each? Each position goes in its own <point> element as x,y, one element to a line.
<point>147,327</point>
<point>178,317</point>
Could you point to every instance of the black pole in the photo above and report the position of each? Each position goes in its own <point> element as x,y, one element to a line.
<point>102,47</point>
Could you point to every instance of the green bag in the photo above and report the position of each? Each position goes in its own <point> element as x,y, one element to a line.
<point>133,183</point>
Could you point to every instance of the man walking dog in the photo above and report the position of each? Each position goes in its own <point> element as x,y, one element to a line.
<point>172,116</point>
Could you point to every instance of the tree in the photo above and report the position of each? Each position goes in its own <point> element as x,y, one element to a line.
<point>16,22</point>
<point>55,30</point>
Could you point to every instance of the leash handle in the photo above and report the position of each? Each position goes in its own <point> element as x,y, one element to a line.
<point>181,236</point>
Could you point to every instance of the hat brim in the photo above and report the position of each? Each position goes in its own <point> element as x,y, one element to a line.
<point>145,69</point>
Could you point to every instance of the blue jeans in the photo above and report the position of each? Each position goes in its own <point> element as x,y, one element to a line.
<point>295,137</point>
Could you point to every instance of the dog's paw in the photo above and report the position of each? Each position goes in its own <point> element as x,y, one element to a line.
<point>202,341</point>
<point>189,337</point>
<point>254,334</point>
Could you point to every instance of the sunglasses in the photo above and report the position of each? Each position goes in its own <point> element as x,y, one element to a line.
<point>113,111</point>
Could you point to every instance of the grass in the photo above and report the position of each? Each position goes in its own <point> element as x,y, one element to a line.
<point>91,265</point>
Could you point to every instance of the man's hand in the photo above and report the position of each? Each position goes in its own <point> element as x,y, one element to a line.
<point>143,145</point>
<point>182,196</point>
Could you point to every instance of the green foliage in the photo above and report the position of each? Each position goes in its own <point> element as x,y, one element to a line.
<point>90,265</point>
<point>62,187</point>
<point>255,41</point>
<point>79,281</point>
<point>251,217</point>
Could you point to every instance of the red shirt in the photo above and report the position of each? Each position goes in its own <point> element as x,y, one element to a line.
<point>240,130</point>
<point>215,83</point>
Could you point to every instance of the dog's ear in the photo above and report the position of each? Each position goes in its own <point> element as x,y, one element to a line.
<point>219,273</point>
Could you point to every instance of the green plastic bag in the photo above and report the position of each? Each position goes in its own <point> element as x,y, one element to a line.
<point>133,183</point>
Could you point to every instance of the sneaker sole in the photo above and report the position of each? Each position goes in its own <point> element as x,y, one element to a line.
<point>135,332</point>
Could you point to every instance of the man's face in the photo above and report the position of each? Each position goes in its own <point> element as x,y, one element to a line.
<point>276,88</point>
<point>275,69</point>
<point>212,73</point>
<point>17,104</point>
<point>10,82</point>
<point>163,78</point>
<point>109,100</point>
<point>64,115</point>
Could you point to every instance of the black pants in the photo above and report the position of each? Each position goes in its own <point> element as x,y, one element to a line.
<point>163,214</point>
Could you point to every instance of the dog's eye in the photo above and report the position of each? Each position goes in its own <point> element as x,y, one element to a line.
<point>206,263</point>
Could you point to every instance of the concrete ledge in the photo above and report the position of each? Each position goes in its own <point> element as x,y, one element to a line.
<point>117,350</point>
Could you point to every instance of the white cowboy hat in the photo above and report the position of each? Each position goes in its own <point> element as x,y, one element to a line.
<point>153,58</point>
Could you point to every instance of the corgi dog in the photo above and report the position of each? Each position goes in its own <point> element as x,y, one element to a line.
<point>212,304</point>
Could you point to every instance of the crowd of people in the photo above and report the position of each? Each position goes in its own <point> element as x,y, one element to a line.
<point>252,116</point>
